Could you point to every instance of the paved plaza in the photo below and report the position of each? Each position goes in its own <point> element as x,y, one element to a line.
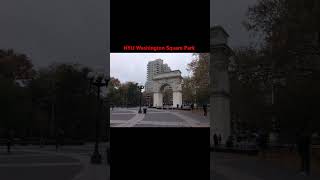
<point>68,163</point>
<point>226,166</point>
<point>129,117</point>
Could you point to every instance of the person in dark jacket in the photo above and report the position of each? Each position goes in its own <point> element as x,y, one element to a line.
<point>262,142</point>
<point>205,109</point>
<point>215,140</point>
<point>59,138</point>
<point>219,139</point>
<point>9,141</point>
<point>304,148</point>
<point>10,138</point>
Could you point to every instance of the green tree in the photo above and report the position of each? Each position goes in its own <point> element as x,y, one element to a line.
<point>133,94</point>
<point>65,94</point>
<point>114,91</point>
<point>124,94</point>
<point>188,91</point>
<point>199,67</point>
<point>14,105</point>
<point>14,96</point>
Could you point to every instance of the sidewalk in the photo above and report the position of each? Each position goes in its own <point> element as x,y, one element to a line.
<point>227,166</point>
<point>93,172</point>
<point>291,160</point>
<point>68,163</point>
<point>89,171</point>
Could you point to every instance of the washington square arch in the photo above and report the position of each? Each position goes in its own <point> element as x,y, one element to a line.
<point>172,79</point>
<point>220,54</point>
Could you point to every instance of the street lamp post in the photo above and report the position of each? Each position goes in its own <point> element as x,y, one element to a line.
<point>99,81</point>
<point>140,88</point>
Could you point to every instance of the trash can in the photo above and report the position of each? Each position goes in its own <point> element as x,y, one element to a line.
<point>144,110</point>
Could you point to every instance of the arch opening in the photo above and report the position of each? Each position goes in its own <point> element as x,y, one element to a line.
<point>167,95</point>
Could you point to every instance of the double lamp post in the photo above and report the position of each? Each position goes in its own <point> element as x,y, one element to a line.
<point>140,87</point>
<point>98,80</point>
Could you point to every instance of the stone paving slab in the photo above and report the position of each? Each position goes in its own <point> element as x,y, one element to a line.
<point>14,152</point>
<point>121,112</point>
<point>196,116</point>
<point>36,159</point>
<point>39,173</point>
<point>153,110</point>
<point>115,124</point>
<point>218,177</point>
<point>158,117</point>
<point>68,163</point>
<point>150,125</point>
<point>94,172</point>
<point>243,167</point>
<point>162,118</point>
<point>121,116</point>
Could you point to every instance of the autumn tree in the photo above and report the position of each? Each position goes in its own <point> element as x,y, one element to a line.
<point>250,89</point>
<point>199,67</point>
<point>15,65</point>
<point>291,49</point>
<point>188,91</point>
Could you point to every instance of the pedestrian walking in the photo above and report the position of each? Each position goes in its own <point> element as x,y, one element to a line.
<point>219,139</point>
<point>204,109</point>
<point>304,148</point>
<point>10,137</point>
<point>9,144</point>
<point>215,140</point>
<point>59,138</point>
<point>57,141</point>
<point>229,142</point>
<point>41,141</point>
<point>262,141</point>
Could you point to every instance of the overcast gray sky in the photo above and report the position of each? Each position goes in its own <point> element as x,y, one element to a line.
<point>133,66</point>
<point>230,14</point>
<point>57,30</point>
<point>78,30</point>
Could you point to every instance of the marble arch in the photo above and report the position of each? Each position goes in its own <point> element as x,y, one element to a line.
<point>220,54</point>
<point>172,79</point>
